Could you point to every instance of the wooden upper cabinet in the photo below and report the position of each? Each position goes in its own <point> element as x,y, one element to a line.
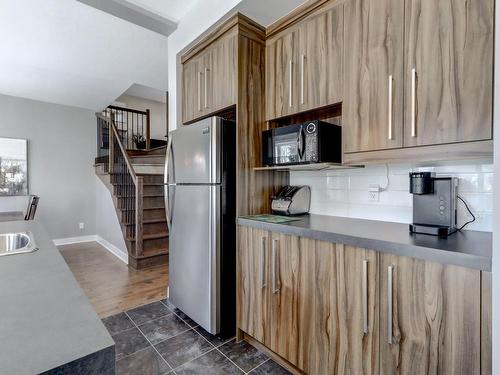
<point>253,281</point>
<point>282,75</point>
<point>373,75</point>
<point>304,63</point>
<point>430,318</point>
<point>206,82</point>
<point>448,71</point>
<point>223,80</point>
<point>320,59</point>
<point>210,78</point>
<point>191,90</point>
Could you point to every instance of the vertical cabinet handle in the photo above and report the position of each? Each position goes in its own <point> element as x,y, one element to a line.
<point>205,88</point>
<point>275,266</point>
<point>302,63</point>
<point>389,110</point>
<point>413,102</point>
<point>390,270</point>
<point>290,81</point>
<point>365,296</point>
<point>199,90</point>
<point>263,261</point>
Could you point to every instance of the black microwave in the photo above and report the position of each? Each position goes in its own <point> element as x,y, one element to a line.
<point>306,143</point>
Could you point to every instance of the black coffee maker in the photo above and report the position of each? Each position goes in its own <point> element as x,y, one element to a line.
<point>434,204</point>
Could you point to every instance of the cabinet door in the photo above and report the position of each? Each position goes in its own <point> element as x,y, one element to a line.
<point>448,71</point>
<point>253,281</point>
<point>205,82</point>
<point>191,101</point>
<point>373,78</point>
<point>356,312</point>
<point>282,76</point>
<point>223,70</point>
<point>320,59</point>
<point>430,318</point>
<point>283,312</point>
<point>315,306</point>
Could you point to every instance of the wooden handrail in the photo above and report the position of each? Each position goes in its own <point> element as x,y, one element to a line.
<point>127,109</point>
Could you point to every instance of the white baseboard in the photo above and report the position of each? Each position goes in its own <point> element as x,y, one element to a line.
<point>72,240</point>
<point>94,238</point>
<point>113,249</point>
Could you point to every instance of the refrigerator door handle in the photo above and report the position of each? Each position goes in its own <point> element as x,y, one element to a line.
<point>166,186</point>
<point>214,240</point>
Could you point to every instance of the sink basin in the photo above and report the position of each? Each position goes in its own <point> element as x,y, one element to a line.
<point>16,243</point>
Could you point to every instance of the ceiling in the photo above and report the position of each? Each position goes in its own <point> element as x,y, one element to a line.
<point>172,9</point>
<point>65,52</point>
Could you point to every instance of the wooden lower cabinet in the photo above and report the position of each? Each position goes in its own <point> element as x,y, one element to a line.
<point>329,308</point>
<point>430,318</point>
<point>252,288</point>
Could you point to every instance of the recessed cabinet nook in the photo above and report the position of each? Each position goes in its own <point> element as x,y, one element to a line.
<point>407,80</point>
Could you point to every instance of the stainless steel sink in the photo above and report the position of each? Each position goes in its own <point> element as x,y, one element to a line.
<point>17,243</point>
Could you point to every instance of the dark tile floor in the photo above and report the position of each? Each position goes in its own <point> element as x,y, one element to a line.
<point>160,339</point>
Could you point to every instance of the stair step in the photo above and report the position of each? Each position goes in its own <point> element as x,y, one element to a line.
<point>153,236</point>
<point>144,209</point>
<point>144,196</point>
<point>148,159</point>
<point>149,221</point>
<point>154,252</point>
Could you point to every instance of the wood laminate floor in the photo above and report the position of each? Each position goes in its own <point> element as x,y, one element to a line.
<point>111,286</point>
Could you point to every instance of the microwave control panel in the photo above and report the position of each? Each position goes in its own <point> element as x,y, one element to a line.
<point>311,153</point>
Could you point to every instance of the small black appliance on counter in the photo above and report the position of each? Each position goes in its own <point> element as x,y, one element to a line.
<point>434,204</point>
<point>306,143</point>
<point>292,200</point>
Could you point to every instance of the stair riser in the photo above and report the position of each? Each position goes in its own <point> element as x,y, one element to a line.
<point>149,202</point>
<point>149,160</point>
<point>154,178</point>
<point>153,190</point>
<point>150,244</point>
<point>155,228</point>
<point>158,213</point>
<point>148,262</point>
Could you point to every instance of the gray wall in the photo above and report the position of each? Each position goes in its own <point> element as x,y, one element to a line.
<point>61,149</point>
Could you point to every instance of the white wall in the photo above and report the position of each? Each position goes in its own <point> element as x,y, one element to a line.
<point>496,205</point>
<point>61,150</point>
<point>158,113</point>
<point>107,224</point>
<point>345,192</point>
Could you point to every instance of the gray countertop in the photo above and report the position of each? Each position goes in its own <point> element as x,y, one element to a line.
<point>45,318</point>
<point>466,248</point>
<point>11,216</point>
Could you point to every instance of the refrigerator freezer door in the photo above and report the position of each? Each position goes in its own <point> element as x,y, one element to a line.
<point>195,153</point>
<point>194,261</point>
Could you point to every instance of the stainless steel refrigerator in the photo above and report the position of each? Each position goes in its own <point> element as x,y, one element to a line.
<point>200,202</point>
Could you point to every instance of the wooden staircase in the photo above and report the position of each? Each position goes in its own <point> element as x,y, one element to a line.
<point>135,179</point>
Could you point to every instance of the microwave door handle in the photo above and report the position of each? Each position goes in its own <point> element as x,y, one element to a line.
<point>302,143</point>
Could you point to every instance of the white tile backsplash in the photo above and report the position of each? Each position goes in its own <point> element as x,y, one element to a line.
<point>345,192</point>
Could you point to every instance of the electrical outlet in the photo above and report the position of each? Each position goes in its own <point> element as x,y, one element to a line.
<point>81,226</point>
<point>374,192</point>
